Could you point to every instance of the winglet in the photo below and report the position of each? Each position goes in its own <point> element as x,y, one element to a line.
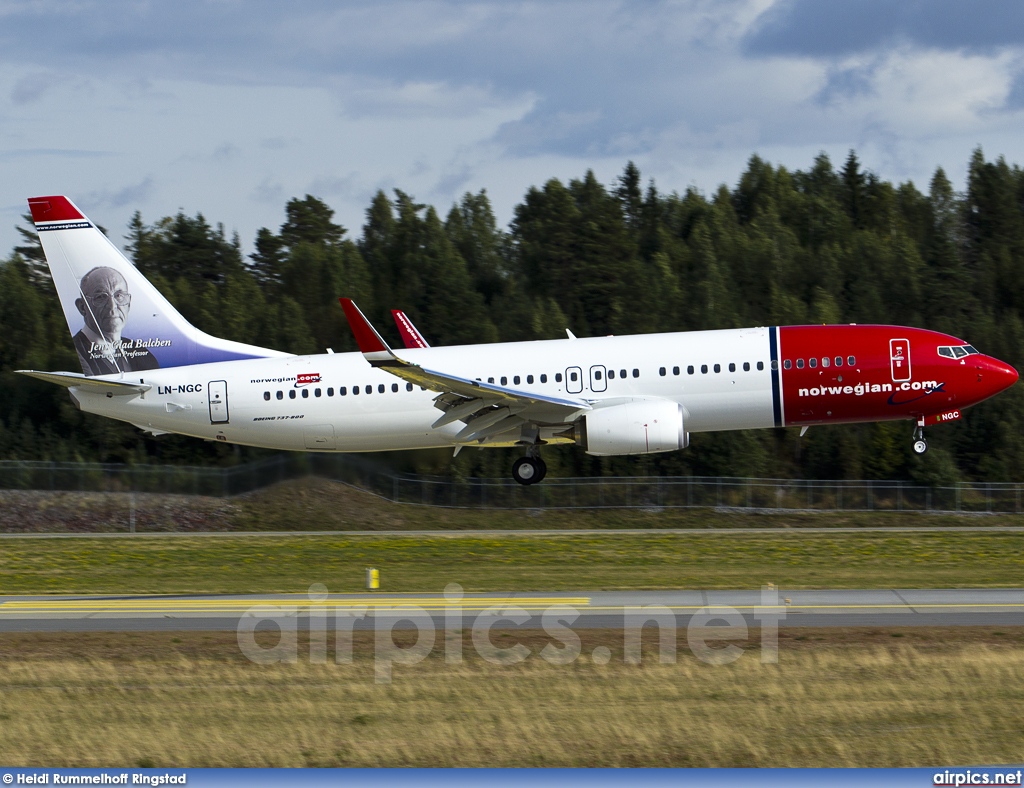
<point>371,344</point>
<point>411,337</point>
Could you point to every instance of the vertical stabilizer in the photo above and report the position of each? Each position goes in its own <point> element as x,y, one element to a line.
<point>119,322</point>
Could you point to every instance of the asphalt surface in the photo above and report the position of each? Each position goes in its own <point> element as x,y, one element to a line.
<point>582,609</point>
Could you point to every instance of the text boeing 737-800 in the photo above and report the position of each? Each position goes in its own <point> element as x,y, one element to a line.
<point>143,363</point>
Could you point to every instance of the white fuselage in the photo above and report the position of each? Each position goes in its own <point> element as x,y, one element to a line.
<point>296,402</point>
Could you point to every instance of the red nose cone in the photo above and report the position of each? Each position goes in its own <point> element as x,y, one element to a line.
<point>999,375</point>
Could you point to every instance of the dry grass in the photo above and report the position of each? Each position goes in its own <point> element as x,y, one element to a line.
<point>315,504</point>
<point>183,704</point>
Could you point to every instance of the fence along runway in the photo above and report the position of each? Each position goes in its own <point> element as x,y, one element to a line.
<point>630,492</point>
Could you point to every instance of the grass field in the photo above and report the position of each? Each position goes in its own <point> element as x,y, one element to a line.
<point>859,698</point>
<point>256,564</point>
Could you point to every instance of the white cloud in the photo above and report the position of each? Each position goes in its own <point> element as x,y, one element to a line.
<point>234,107</point>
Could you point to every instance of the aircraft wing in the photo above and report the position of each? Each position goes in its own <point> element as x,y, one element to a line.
<point>485,408</point>
<point>116,388</point>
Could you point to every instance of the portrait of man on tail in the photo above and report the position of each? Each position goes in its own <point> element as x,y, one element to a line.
<point>104,304</point>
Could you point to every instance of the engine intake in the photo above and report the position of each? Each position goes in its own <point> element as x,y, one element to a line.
<point>639,427</point>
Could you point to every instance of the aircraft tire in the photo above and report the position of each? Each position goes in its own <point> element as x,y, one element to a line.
<point>527,470</point>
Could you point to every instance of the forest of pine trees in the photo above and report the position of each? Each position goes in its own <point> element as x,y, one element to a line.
<point>782,247</point>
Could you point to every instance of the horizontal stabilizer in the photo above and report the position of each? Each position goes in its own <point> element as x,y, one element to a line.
<point>116,388</point>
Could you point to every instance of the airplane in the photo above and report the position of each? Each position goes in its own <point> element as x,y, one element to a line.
<point>144,364</point>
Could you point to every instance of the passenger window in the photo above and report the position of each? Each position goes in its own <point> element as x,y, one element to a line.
<point>529,379</point>
<point>381,388</point>
<point>662,371</point>
<point>799,363</point>
<point>515,380</point>
<point>504,380</point>
<point>689,370</point>
<point>291,394</point>
<point>573,376</point>
<point>408,386</point>
<point>611,374</point>
<point>718,368</point>
<point>622,374</point>
<point>280,395</point>
<point>787,364</point>
<point>368,389</point>
<point>355,391</point>
<point>490,380</point>
<point>813,363</point>
<point>330,391</point>
<point>394,388</point>
<point>544,378</point>
<point>851,361</point>
<point>839,361</point>
<point>558,377</point>
<point>675,370</point>
<point>636,373</point>
<point>266,395</point>
<point>732,367</point>
<point>342,391</point>
<point>825,361</point>
<point>703,369</point>
<point>597,374</point>
<point>317,393</point>
<point>305,393</point>
<point>746,366</point>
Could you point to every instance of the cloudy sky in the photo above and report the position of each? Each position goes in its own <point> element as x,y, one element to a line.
<point>231,107</point>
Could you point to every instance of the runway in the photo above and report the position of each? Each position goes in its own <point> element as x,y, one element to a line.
<point>581,609</point>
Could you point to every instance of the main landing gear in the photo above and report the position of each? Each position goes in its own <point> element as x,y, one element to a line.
<point>529,469</point>
<point>920,444</point>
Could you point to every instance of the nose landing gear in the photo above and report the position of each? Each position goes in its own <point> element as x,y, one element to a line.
<point>920,444</point>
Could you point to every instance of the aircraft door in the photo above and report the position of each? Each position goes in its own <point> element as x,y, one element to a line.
<point>899,359</point>
<point>574,380</point>
<point>218,390</point>
<point>598,378</point>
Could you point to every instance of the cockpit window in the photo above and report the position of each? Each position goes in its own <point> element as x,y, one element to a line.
<point>957,351</point>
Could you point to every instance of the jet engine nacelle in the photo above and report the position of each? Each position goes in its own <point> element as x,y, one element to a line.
<point>643,426</point>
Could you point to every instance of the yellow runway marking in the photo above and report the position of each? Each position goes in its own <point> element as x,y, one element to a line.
<point>236,605</point>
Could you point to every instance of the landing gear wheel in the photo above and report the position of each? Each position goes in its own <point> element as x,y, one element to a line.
<point>528,470</point>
